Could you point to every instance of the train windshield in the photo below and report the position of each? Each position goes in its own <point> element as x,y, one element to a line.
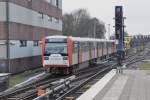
<point>56,48</point>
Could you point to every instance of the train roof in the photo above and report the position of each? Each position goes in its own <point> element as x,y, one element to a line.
<point>56,36</point>
<point>90,39</point>
<point>80,38</point>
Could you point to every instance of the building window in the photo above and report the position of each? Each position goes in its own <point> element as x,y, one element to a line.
<point>50,18</point>
<point>57,20</point>
<point>36,43</point>
<point>57,3</point>
<point>41,15</point>
<point>29,1</point>
<point>49,1</point>
<point>23,43</point>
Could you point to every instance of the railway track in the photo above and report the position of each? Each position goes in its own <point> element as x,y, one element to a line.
<point>137,58</point>
<point>29,90</point>
<point>81,88</point>
<point>83,77</point>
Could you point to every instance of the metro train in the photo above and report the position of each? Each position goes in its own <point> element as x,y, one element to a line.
<point>127,42</point>
<point>64,54</point>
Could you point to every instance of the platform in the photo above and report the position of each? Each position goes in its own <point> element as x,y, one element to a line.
<point>131,85</point>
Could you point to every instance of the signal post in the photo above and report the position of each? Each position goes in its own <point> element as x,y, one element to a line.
<point>119,33</point>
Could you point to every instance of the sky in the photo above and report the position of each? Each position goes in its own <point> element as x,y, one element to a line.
<point>137,12</point>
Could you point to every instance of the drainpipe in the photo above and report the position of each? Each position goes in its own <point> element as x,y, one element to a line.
<point>7,36</point>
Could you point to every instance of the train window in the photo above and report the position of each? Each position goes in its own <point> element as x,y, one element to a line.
<point>105,45</point>
<point>91,45</point>
<point>100,45</point>
<point>54,48</point>
<point>75,47</point>
<point>54,40</point>
<point>85,46</point>
<point>108,45</point>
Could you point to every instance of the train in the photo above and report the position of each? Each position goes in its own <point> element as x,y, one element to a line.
<point>127,42</point>
<point>65,53</point>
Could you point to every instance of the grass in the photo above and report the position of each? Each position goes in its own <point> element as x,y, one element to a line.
<point>145,66</point>
<point>15,80</point>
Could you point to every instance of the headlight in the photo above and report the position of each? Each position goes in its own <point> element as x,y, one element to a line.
<point>65,58</point>
<point>46,58</point>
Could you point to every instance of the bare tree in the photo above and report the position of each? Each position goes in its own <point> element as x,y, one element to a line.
<point>79,23</point>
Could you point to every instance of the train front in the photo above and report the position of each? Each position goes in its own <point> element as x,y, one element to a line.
<point>55,52</point>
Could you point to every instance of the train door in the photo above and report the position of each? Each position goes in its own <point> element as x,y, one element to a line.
<point>90,51</point>
<point>98,50</point>
<point>107,48</point>
<point>102,47</point>
<point>75,53</point>
<point>94,55</point>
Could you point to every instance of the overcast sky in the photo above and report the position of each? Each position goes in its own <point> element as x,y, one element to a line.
<point>136,11</point>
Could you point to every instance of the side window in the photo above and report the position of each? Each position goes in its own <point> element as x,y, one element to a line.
<point>23,43</point>
<point>50,18</point>
<point>108,45</point>
<point>99,45</point>
<point>85,46</point>
<point>75,47</point>
<point>49,1</point>
<point>36,43</point>
<point>41,15</point>
<point>104,45</point>
<point>91,45</point>
<point>56,20</point>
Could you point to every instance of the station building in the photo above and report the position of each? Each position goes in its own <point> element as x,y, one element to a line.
<point>23,23</point>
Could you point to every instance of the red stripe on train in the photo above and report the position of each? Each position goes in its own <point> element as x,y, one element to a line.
<point>70,48</point>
